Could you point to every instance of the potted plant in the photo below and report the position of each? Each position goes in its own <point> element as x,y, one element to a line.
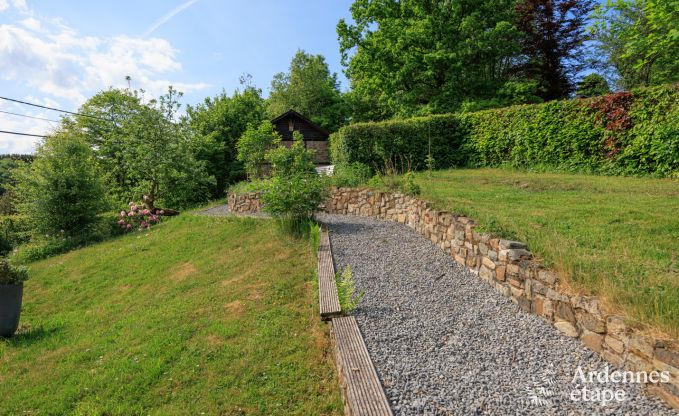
<point>11,293</point>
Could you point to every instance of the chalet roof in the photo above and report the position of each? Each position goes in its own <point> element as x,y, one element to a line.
<point>294,113</point>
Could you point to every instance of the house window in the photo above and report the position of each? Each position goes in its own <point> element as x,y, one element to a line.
<point>291,125</point>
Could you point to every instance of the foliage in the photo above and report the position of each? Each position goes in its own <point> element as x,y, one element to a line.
<point>420,57</point>
<point>291,161</point>
<point>253,145</point>
<point>144,149</point>
<point>592,85</point>
<point>10,274</point>
<point>630,133</point>
<point>310,89</point>
<point>553,34</point>
<point>173,316</point>
<point>640,39</point>
<point>7,166</point>
<point>138,218</point>
<point>351,174</point>
<point>14,230</point>
<point>294,191</point>
<point>346,291</point>
<point>8,202</point>
<point>62,191</point>
<point>218,124</point>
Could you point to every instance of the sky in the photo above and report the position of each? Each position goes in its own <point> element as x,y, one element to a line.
<point>59,53</point>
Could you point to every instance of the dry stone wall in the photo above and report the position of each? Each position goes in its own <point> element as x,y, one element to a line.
<point>245,203</point>
<point>509,267</point>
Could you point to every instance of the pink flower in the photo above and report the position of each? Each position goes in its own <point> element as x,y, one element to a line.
<point>129,226</point>
<point>146,212</point>
<point>134,208</point>
<point>131,203</point>
<point>122,213</point>
<point>130,214</point>
<point>161,212</point>
<point>144,224</point>
<point>121,222</point>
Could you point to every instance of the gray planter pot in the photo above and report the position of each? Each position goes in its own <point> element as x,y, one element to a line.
<point>10,308</point>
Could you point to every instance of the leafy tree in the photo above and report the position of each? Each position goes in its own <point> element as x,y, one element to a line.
<point>293,160</point>
<point>218,124</point>
<point>420,57</point>
<point>553,36</point>
<point>62,191</point>
<point>310,89</point>
<point>160,156</point>
<point>593,85</point>
<point>145,149</point>
<point>640,39</point>
<point>253,145</point>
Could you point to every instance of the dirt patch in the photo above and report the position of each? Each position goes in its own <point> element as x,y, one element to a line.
<point>182,272</point>
<point>234,308</point>
<point>214,340</point>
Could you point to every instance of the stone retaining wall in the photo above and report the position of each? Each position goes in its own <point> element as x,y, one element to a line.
<point>508,266</point>
<point>247,203</point>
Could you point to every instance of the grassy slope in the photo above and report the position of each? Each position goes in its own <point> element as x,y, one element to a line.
<point>200,315</point>
<point>612,236</point>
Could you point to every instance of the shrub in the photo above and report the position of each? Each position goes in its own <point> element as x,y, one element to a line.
<point>351,175</point>
<point>10,274</point>
<point>14,230</point>
<point>294,191</point>
<point>632,133</point>
<point>62,192</point>
<point>137,218</point>
<point>346,291</point>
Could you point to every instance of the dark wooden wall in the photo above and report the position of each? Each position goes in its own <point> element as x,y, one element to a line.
<point>309,132</point>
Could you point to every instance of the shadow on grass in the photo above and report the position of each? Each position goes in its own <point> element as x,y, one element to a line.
<point>27,335</point>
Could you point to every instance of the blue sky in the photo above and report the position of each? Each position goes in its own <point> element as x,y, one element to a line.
<point>59,53</point>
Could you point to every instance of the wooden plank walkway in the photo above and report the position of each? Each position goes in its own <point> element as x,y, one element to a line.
<point>327,287</point>
<point>361,389</point>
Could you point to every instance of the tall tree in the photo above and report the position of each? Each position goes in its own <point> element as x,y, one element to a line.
<point>310,89</point>
<point>554,33</point>
<point>219,122</point>
<point>640,39</point>
<point>421,56</point>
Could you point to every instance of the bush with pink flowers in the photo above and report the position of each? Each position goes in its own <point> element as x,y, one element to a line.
<point>138,218</point>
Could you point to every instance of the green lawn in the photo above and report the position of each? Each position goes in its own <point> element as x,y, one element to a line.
<point>200,315</point>
<point>611,236</point>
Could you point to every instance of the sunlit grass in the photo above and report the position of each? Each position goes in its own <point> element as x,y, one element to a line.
<point>611,236</point>
<point>200,315</point>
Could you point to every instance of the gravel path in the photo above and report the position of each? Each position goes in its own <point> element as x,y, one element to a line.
<point>444,342</point>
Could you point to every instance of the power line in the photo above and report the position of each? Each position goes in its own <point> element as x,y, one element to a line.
<point>27,116</point>
<point>21,134</point>
<point>52,108</point>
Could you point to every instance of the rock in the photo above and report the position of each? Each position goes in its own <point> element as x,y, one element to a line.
<point>509,244</point>
<point>592,340</point>
<point>566,328</point>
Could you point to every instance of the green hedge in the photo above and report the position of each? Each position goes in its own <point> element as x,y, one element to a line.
<point>633,133</point>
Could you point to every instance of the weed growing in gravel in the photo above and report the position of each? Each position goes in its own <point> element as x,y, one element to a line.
<point>346,291</point>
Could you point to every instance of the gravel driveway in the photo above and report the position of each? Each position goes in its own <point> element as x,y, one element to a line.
<point>444,342</point>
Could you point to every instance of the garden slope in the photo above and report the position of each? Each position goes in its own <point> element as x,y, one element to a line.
<point>199,314</point>
<point>610,236</point>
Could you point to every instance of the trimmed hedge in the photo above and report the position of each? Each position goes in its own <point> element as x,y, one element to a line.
<point>628,133</point>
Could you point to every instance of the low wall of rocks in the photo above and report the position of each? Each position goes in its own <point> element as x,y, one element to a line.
<point>509,267</point>
<point>246,203</point>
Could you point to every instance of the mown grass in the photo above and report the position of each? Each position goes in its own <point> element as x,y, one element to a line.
<point>610,236</point>
<point>200,315</point>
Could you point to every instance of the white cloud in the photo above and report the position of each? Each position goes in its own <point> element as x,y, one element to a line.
<point>49,57</point>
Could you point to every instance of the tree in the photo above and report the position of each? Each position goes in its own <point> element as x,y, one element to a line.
<point>218,124</point>
<point>553,36</point>
<point>253,145</point>
<point>640,39</point>
<point>160,156</point>
<point>592,85</point>
<point>310,89</point>
<point>62,191</point>
<point>422,57</point>
<point>145,148</point>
